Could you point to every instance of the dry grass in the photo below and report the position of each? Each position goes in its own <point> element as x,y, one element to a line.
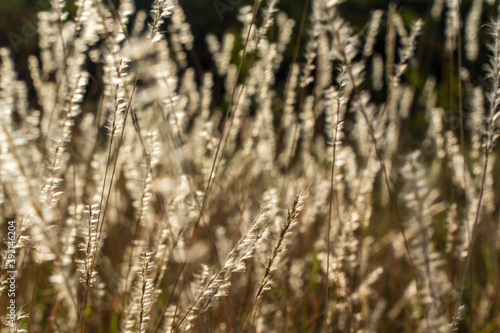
<point>148,196</point>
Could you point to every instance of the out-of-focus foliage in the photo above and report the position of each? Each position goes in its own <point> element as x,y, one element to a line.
<point>167,170</point>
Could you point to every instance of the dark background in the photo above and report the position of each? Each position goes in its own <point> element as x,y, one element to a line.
<point>18,26</point>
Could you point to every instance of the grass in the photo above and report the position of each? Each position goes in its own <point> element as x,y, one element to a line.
<point>142,192</point>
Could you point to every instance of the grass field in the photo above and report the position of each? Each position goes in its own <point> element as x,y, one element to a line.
<point>319,175</point>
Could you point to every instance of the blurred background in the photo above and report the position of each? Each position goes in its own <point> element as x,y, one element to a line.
<point>18,32</point>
